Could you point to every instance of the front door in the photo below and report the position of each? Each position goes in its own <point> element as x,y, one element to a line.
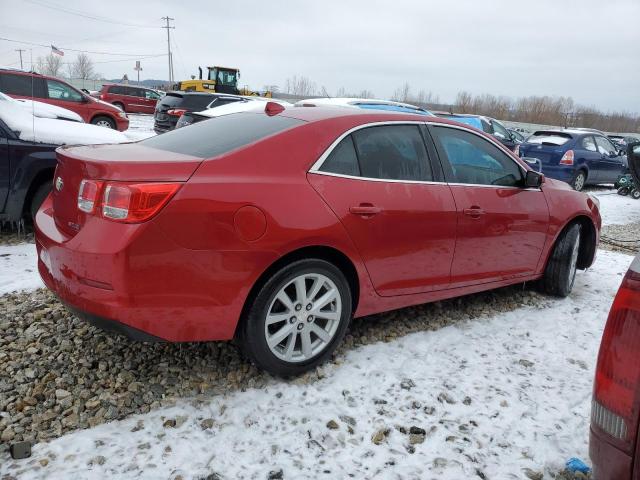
<point>62,95</point>
<point>379,182</point>
<point>610,163</point>
<point>502,226</point>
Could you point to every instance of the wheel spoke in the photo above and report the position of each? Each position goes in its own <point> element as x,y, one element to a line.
<point>321,333</point>
<point>301,290</point>
<point>328,315</point>
<point>291,343</point>
<point>306,343</point>
<point>277,317</point>
<point>280,335</point>
<point>315,288</point>
<point>285,300</point>
<point>329,296</point>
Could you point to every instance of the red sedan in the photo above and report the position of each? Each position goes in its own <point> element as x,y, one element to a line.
<point>277,226</point>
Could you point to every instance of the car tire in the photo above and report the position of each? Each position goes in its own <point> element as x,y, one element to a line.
<point>579,180</point>
<point>560,272</point>
<point>38,197</point>
<point>635,194</point>
<point>119,105</point>
<point>104,121</point>
<point>286,337</point>
<point>623,191</point>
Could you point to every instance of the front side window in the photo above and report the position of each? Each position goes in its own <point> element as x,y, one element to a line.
<point>343,159</point>
<point>589,144</point>
<point>605,146</point>
<point>60,91</point>
<point>474,160</point>
<point>392,152</point>
<point>151,95</point>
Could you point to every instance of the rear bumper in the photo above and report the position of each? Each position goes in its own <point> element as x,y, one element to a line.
<point>135,280</point>
<point>609,463</point>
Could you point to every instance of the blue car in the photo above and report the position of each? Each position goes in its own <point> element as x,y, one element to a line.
<point>578,157</point>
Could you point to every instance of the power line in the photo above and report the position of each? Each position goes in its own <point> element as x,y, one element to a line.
<point>87,15</point>
<point>84,51</point>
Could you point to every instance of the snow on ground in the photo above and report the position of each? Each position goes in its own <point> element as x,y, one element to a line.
<point>495,395</point>
<point>140,126</point>
<point>617,209</point>
<point>18,268</point>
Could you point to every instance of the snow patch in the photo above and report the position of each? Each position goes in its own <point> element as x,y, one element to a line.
<point>19,268</point>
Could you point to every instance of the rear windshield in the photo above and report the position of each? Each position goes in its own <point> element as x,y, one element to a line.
<point>220,135</point>
<point>190,102</point>
<point>549,138</point>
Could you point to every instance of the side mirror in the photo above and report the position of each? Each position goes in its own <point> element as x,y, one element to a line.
<point>534,163</point>
<point>533,179</point>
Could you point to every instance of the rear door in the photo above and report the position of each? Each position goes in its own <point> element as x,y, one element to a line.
<point>610,162</point>
<point>150,99</point>
<point>501,225</point>
<point>586,153</point>
<point>400,215</point>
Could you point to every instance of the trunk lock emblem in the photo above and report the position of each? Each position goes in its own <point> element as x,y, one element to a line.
<point>59,184</point>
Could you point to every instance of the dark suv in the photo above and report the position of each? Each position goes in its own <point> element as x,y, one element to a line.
<point>129,98</point>
<point>51,90</point>
<point>174,104</point>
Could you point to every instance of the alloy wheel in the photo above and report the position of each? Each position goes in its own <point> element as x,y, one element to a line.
<point>303,317</point>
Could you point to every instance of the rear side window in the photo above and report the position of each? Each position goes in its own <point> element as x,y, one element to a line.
<point>220,135</point>
<point>16,84</point>
<point>170,100</point>
<point>589,144</point>
<point>476,161</point>
<point>343,159</point>
<point>394,152</point>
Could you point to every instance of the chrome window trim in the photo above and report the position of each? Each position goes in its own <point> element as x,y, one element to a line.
<point>315,168</point>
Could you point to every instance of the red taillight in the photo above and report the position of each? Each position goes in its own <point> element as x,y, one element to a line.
<point>176,112</point>
<point>88,195</point>
<point>103,96</point>
<point>132,203</point>
<point>616,402</point>
<point>567,158</point>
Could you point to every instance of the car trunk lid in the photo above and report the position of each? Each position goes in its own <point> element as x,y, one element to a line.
<point>121,163</point>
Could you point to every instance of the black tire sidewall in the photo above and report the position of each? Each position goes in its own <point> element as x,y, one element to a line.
<point>253,340</point>
<point>558,279</point>
<point>38,197</point>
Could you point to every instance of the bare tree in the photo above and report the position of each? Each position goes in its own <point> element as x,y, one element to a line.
<point>83,67</point>
<point>271,88</point>
<point>300,86</point>
<point>49,65</point>
<point>402,94</point>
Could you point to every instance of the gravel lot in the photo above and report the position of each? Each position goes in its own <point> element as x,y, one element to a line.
<point>60,374</point>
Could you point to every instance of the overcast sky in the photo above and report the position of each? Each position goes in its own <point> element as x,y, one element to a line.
<point>586,49</point>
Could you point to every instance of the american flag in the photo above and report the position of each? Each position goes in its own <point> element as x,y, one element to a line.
<point>57,51</point>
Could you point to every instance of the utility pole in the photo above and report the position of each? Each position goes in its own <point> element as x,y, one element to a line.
<point>169,27</point>
<point>20,50</point>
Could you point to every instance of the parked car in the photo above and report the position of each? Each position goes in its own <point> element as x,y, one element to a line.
<point>615,408</point>
<point>43,110</point>
<point>28,85</point>
<point>217,110</point>
<point>578,157</point>
<point>277,227</point>
<point>364,103</point>
<point>29,135</point>
<point>171,107</point>
<point>130,98</point>
<point>621,141</point>
<point>486,124</point>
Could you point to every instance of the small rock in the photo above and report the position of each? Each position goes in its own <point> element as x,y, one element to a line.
<point>417,431</point>
<point>380,436</point>
<point>99,460</point>
<point>525,363</point>
<point>533,475</point>
<point>467,400</point>
<point>332,425</point>
<point>407,384</point>
<point>348,420</point>
<point>60,394</point>
<point>415,438</point>
<point>440,462</point>
<point>207,424</point>
<point>276,475</point>
<point>445,397</point>
<point>169,423</point>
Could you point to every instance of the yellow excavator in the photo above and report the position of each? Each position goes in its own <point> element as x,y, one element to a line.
<point>219,80</point>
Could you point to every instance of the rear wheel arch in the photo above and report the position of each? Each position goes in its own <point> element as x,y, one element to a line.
<point>321,252</point>
<point>42,178</point>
